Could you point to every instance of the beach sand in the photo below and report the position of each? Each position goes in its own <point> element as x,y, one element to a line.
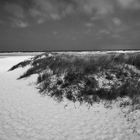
<point>26,115</point>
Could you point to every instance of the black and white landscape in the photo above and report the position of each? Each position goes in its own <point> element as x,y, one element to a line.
<point>69,69</point>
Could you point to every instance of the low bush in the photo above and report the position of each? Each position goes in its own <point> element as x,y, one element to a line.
<point>86,78</point>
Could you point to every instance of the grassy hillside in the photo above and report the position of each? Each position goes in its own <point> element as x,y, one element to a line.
<point>86,77</point>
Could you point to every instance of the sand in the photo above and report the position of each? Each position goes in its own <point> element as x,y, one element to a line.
<point>26,115</point>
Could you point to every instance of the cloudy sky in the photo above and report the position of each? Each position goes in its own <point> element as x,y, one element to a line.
<point>37,25</point>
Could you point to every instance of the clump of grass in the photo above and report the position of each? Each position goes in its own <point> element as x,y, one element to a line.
<point>86,78</point>
<point>21,64</point>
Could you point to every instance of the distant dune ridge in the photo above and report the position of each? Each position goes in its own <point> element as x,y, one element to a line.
<point>86,77</point>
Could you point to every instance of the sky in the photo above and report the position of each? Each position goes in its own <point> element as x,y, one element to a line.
<point>40,25</point>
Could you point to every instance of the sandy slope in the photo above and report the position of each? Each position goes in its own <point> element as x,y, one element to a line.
<point>25,115</point>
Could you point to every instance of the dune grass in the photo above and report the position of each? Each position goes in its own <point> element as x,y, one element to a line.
<point>86,78</point>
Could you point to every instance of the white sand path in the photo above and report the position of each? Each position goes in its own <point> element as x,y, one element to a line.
<point>25,115</point>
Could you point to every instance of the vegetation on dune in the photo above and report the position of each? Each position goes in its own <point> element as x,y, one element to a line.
<point>86,78</point>
<point>21,64</point>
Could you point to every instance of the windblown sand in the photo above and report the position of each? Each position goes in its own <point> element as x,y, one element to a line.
<point>26,115</point>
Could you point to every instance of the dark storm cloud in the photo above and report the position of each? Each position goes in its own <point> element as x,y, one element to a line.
<point>13,12</point>
<point>21,12</point>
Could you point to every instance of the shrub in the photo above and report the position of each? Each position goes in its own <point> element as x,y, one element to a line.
<point>79,77</point>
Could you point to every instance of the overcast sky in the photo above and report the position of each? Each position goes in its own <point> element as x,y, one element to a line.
<point>37,25</point>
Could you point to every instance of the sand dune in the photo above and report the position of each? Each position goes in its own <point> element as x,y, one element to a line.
<point>25,115</point>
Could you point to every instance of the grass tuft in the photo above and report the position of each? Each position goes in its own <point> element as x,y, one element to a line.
<point>86,78</point>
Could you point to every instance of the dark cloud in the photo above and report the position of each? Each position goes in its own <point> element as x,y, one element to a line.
<point>20,12</point>
<point>129,4</point>
<point>13,12</point>
<point>69,24</point>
